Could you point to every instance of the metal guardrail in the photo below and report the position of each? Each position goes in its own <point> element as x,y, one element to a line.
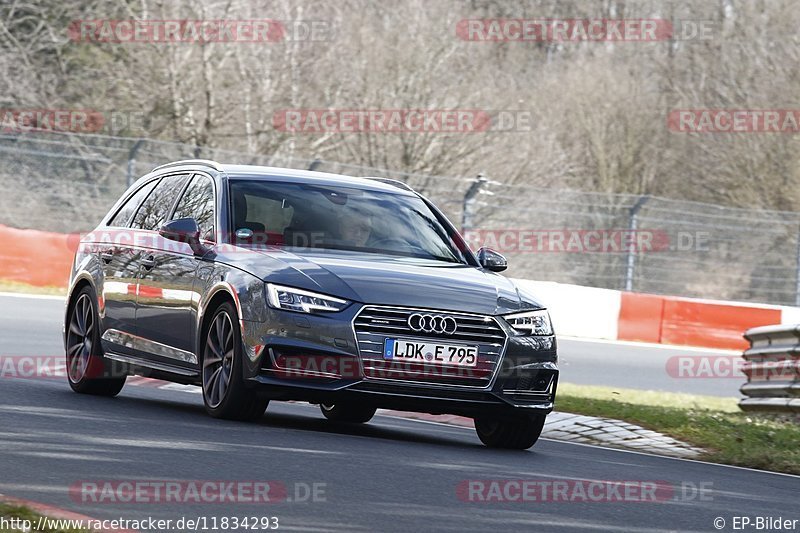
<point>772,367</point>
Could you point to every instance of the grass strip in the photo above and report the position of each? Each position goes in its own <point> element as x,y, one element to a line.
<point>729,436</point>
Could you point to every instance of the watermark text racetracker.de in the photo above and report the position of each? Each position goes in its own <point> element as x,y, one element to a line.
<point>583,30</point>
<point>567,240</point>
<point>544,490</point>
<point>129,240</point>
<point>727,366</point>
<point>39,120</point>
<point>157,491</point>
<point>46,367</point>
<point>197,31</point>
<point>395,121</point>
<point>734,121</point>
<point>32,367</point>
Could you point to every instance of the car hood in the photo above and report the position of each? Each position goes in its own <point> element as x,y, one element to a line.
<point>390,280</point>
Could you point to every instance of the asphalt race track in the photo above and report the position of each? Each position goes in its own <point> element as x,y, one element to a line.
<point>632,366</point>
<point>389,475</point>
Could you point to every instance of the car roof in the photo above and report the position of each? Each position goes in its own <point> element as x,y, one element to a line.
<point>257,172</point>
<point>309,176</point>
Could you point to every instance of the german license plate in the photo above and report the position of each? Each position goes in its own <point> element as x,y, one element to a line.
<point>403,350</point>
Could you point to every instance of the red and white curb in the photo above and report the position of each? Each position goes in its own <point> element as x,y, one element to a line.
<point>586,430</point>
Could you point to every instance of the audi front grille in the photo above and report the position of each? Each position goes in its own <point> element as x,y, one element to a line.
<point>375,324</point>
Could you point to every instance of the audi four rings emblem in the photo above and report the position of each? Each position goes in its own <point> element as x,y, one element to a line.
<point>433,323</point>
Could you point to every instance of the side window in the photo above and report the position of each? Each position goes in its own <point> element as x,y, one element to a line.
<point>267,218</point>
<point>155,210</point>
<point>273,215</point>
<point>198,203</point>
<point>125,213</point>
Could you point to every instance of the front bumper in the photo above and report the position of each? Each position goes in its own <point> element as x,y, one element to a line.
<point>317,358</point>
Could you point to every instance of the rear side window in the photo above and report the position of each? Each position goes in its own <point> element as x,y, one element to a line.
<point>155,210</point>
<point>125,213</point>
<point>198,203</point>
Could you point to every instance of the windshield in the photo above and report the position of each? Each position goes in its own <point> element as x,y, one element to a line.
<point>338,218</point>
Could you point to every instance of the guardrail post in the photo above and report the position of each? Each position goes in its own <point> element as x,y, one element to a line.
<point>797,275</point>
<point>633,224</point>
<point>132,161</point>
<point>469,201</point>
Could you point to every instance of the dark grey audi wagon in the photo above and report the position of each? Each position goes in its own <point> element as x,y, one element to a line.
<point>262,284</point>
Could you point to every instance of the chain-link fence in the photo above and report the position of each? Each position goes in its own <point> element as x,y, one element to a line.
<point>65,183</point>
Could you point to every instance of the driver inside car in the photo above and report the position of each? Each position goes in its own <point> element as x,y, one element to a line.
<point>355,228</point>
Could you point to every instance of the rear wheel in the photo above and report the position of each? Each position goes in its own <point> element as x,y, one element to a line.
<point>348,412</point>
<point>518,433</point>
<point>225,393</point>
<point>88,372</point>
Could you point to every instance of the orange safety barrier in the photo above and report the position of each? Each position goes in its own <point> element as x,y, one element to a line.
<point>712,324</point>
<point>36,257</point>
<point>689,322</point>
<point>640,317</point>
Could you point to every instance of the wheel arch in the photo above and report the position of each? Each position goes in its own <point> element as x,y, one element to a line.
<point>221,293</point>
<point>81,281</point>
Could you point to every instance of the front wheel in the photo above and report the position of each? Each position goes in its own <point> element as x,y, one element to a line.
<point>517,433</point>
<point>348,412</point>
<point>225,393</point>
<point>88,372</point>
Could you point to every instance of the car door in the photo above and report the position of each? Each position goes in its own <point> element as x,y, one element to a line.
<point>164,316</point>
<point>119,260</point>
<point>153,212</point>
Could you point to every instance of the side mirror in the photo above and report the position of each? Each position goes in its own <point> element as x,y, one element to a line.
<point>491,260</point>
<point>183,230</point>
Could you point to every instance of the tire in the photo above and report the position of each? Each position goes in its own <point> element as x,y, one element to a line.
<point>347,412</point>
<point>518,433</point>
<point>225,393</point>
<point>88,372</point>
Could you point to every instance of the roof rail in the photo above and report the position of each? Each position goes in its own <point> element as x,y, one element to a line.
<point>397,183</point>
<point>201,162</point>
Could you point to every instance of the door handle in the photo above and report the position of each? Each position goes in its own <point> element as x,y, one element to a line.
<point>107,255</point>
<point>149,262</point>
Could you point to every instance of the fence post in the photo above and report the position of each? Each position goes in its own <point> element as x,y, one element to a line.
<point>469,201</point>
<point>633,224</point>
<point>132,160</point>
<point>797,275</point>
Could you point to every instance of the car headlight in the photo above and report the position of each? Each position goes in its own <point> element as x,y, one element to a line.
<point>291,299</point>
<point>531,322</point>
